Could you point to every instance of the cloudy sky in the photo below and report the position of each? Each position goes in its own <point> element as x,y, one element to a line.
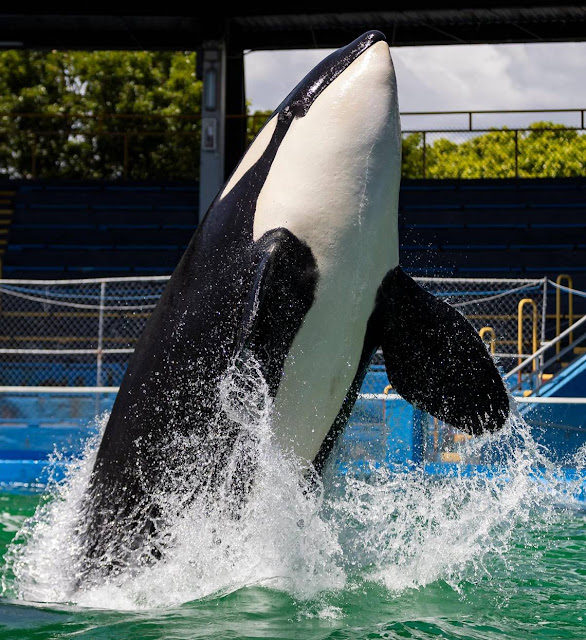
<point>456,77</point>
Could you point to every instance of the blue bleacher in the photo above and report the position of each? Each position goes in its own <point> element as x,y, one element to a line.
<point>461,228</point>
<point>94,229</point>
<point>494,228</point>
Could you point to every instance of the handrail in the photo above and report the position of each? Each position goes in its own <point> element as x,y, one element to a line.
<point>470,114</point>
<point>563,352</point>
<point>101,117</point>
<point>386,392</point>
<point>492,337</point>
<point>130,128</point>
<point>558,305</point>
<point>547,346</point>
<point>550,400</point>
<point>533,305</point>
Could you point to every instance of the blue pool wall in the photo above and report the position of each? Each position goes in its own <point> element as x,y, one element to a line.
<point>383,430</point>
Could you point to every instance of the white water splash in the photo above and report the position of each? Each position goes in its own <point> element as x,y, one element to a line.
<point>402,529</point>
<point>46,550</point>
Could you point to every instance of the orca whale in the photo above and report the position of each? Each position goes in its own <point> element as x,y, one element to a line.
<point>295,264</point>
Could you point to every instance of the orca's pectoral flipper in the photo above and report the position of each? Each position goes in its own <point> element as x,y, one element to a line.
<point>282,292</point>
<point>436,360</point>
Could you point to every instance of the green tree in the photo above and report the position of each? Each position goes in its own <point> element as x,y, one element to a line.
<point>544,150</point>
<point>412,156</point>
<point>136,115</point>
<point>84,98</point>
<point>255,123</point>
<point>549,150</point>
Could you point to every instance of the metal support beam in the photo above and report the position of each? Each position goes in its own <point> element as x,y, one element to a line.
<point>235,106</point>
<point>213,119</point>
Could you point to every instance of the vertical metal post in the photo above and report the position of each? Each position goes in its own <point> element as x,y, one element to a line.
<point>470,120</point>
<point>125,169</point>
<point>424,157</point>
<point>235,104</point>
<point>213,123</point>
<point>543,319</point>
<point>99,354</point>
<point>100,336</point>
<point>516,153</point>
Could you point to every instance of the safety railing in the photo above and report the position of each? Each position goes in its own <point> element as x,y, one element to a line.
<point>490,332</point>
<point>493,153</point>
<point>514,143</point>
<point>82,332</point>
<point>538,362</point>
<point>105,146</point>
<point>138,146</point>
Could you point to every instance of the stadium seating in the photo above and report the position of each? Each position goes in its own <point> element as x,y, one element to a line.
<point>463,228</point>
<point>495,228</point>
<point>91,229</point>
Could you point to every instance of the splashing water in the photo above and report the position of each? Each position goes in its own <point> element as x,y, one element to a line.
<point>398,528</point>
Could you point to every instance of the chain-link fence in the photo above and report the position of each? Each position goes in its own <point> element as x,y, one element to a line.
<point>72,332</point>
<point>451,144</point>
<point>492,306</point>
<point>80,333</point>
<point>535,152</point>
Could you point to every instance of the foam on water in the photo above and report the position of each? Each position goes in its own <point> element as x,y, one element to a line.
<point>398,528</point>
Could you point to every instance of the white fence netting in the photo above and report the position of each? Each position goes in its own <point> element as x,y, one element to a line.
<point>72,332</point>
<point>80,333</point>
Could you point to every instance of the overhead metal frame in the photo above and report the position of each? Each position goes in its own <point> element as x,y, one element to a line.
<point>276,26</point>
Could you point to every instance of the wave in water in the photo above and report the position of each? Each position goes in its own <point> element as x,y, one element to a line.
<point>398,528</point>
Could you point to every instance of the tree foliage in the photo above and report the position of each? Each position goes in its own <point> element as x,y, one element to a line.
<point>256,122</point>
<point>136,115</point>
<point>544,150</point>
<point>81,101</point>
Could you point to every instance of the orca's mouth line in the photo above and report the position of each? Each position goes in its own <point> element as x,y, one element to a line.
<point>298,102</point>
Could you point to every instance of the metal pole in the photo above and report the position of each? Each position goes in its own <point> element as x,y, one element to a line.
<point>99,354</point>
<point>424,158</point>
<point>125,170</point>
<point>516,153</point>
<point>213,123</point>
<point>543,317</point>
<point>100,335</point>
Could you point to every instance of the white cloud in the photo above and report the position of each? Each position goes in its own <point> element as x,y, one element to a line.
<point>271,75</point>
<point>456,77</point>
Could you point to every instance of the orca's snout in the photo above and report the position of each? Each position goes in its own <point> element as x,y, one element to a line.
<point>298,102</point>
<point>371,37</point>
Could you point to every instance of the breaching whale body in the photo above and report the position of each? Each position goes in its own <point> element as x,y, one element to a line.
<point>295,267</point>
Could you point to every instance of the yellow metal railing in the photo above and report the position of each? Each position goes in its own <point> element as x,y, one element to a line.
<point>490,332</point>
<point>386,392</point>
<point>558,307</point>
<point>520,336</point>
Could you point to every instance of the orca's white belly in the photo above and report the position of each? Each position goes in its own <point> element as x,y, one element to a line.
<point>321,365</point>
<point>339,198</point>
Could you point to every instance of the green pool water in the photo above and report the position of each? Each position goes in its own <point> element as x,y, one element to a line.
<point>536,588</point>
